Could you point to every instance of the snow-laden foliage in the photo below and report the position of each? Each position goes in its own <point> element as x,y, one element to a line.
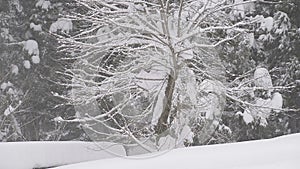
<point>266,24</point>
<point>43,4</point>
<point>281,23</point>
<point>262,78</point>
<point>31,46</point>
<point>62,24</point>
<point>239,10</point>
<point>35,59</point>
<point>5,85</point>
<point>247,117</point>
<point>14,69</point>
<point>277,102</point>
<point>8,110</point>
<point>212,102</point>
<point>35,27</point>
<point>17,5</point>
<point>27,64</point>
<point>5,34</point>
<point>264,102</point>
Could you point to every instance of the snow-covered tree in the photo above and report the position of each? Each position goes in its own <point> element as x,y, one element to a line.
<point>148,73</point>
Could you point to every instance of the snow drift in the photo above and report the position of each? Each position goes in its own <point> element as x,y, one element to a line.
<point>28,155</point>
<point>277,153</point>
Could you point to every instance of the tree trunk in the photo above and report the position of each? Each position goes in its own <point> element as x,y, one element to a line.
<point>162,124</point>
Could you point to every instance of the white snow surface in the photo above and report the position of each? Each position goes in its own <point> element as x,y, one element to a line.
<point>278,153</point>
<point>28,155</point>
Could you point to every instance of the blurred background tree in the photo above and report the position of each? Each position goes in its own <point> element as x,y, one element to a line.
<point>29,62</point>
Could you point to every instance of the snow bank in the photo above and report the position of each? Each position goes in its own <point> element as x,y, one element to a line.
<point>277,153</point>
<point>28,155</point>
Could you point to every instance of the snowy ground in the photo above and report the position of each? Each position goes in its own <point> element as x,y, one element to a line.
<point>28,155</point>
<point>277,153</point>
